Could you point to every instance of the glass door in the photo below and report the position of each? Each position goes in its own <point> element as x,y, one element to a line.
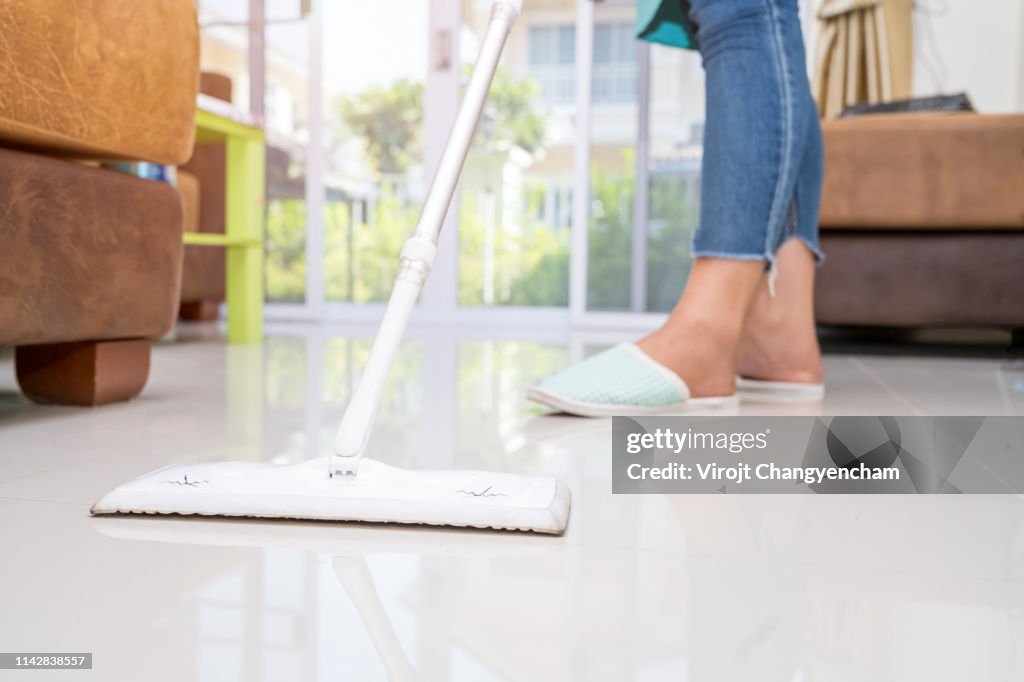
<point>673,142</point>
<point>611,171</point>
<point>286,116</point>
<point>580,190</point>
<point>373,151</point>
<point>263,49</point>
<point>516,191</point>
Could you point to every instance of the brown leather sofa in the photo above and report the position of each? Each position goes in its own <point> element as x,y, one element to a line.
<point>922,221</point>
<point>90,259</point>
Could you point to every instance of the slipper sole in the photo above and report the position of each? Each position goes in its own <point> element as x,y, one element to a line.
<point>778,391</point>
<point>582,409</point>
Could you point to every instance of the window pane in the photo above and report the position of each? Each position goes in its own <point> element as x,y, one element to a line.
<point>225,44</point>
<point>224,49</point>
<point>602,43</point>
<point>286,108</point>
<point>514,226</point>
<point>540,45</point>
<point>551,48</point>
<point>612,152</point>
<point>373,170</point>
<point>676,147</point>
<point>611,226</point>
<point>625,42</point>
<point>614,63</point>
<point>566,44</point>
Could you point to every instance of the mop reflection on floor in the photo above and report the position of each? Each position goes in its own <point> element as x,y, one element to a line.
<point>348,553</point>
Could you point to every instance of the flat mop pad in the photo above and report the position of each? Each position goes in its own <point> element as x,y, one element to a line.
<point>379,493</point>
<point>345,486</point>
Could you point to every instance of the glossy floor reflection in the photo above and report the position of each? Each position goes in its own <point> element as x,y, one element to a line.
<point>640,587</point>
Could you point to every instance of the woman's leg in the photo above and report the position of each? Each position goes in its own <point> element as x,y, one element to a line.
<point>760,152</point>
<point>699,340</point>
<point>779,341</point>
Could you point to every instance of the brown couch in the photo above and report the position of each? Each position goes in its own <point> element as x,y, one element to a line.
<point>922,221</point>
<point>90,259</point>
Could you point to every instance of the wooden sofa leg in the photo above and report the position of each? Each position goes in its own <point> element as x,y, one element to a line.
<point>83,372</point>
<point>199,310</point>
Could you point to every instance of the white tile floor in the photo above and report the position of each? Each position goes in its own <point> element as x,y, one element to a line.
<point>640,587</point>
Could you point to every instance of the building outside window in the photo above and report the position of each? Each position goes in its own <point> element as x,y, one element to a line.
<point>552,51</point>
<point>614,63</point>
<point>552,56</point>
<point>516,195</point>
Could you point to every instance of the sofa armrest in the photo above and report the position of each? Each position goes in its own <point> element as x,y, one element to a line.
<point>927,171</point>
<point>107,79</point>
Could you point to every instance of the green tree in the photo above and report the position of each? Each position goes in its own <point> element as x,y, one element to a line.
<point>672,219</point>
<point>531,263</point>
<point>610,236</point>
<point>511,114</point>
<point>285,265</point>
<point>361,259</point>
<point>531,266</point>
<point>388,120</point>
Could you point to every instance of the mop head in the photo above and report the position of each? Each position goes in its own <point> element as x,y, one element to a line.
<point>379,494</point>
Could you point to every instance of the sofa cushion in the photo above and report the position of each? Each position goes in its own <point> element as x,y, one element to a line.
<point>910,278</point>
<point>100,78</point>
<point>85,253</point>
<point>930,171</point>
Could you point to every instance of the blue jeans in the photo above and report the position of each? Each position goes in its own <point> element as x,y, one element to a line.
<point>762,165</point>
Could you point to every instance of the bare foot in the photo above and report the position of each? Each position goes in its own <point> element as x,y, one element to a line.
<point>727,324</point>
<point>693,350</point>
<point>700,337</point>
<point>779,341</point>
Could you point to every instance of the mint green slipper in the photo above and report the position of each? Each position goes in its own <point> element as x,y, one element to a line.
<point>622,380</point>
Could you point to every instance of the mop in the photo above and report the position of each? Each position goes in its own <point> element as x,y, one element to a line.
<point>345,486</point>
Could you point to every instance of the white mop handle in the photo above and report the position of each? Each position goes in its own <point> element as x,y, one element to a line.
<point>417,258</point>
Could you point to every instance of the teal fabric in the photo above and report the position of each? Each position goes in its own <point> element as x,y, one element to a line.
<point>613,377</point>
<point>665,22</point>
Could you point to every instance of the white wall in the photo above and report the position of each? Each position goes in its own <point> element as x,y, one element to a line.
<point>976,46</point>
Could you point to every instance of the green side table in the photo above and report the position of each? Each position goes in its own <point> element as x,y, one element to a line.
<point>243,234</point>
